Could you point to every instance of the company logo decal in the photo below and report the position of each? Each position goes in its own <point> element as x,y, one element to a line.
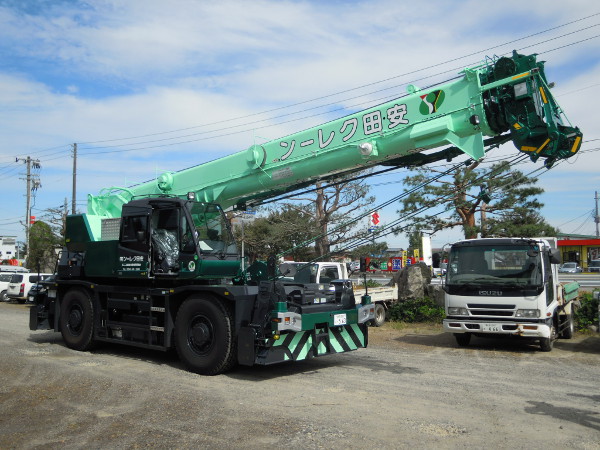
<point>431,102</point>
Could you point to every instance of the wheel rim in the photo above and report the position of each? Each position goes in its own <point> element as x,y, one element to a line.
<point>201,335</point>
<point>75,321</point>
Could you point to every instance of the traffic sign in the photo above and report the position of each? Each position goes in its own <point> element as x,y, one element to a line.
<point>375,218</point>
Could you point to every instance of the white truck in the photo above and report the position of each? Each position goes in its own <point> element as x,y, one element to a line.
<point>326,272</point>
<point>508,286</point>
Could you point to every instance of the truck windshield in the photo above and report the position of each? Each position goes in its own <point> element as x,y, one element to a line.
<point>305,272</point>
<point>497,265</point>
<point>211,229</point>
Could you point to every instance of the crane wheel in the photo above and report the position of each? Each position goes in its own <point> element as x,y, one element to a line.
<point>77,320</point>
<point>205,335</point>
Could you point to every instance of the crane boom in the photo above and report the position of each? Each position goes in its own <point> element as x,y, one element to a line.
<point>504,99</point>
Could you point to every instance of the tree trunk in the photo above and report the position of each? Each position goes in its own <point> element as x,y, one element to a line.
<point>322,242</point>
<point>483,219</point>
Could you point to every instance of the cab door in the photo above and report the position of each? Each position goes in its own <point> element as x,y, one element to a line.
<point>133,252</point>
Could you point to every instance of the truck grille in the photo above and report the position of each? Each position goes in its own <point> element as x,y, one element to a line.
<point>477,309</point>
<point>489,306</point>
<point>490,312</point>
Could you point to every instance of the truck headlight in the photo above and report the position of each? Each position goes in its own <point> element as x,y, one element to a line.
<point>528,313</point>
<point>457,312</point>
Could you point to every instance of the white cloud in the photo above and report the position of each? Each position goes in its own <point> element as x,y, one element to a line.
<point>102,69</point>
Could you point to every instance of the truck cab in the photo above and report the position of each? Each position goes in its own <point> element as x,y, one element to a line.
<point>509,287</point>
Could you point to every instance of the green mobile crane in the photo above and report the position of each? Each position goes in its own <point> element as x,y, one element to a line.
<point>155,265</point>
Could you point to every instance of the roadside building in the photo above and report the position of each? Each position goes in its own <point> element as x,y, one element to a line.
<point>8,247</point>
<point>580,249</point>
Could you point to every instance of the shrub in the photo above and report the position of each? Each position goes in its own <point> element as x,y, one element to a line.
<point>587,313</point>
<point>419,310</point>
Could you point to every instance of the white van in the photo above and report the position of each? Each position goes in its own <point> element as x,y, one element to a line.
<point>20,283</point>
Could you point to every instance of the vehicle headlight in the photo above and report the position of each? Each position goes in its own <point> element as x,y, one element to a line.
<point>457,311</point>
<point>529,313</point>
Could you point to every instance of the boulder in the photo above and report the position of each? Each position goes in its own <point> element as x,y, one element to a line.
<point>413,281</point>
<point>436,293</point>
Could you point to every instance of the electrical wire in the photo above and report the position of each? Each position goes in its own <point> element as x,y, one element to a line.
<point>61,153</point>
<point>399,197</point>
<point>309,101</point>
<point>358,87</point>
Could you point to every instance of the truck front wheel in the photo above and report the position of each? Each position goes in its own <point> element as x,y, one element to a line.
<point>77,320</point>
<point>546,344</point>
<point>205,335</point>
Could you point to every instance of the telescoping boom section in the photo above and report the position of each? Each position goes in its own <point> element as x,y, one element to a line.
<point>505,99</point>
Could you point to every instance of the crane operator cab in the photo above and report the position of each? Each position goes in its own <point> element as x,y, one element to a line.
<point>171,237</point>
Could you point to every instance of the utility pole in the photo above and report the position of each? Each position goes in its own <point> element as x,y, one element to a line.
<point>74,195</point>
<point>64,218</point>
<point>33,182</point>
<point>596,218</point>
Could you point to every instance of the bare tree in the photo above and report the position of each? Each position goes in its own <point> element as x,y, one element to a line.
<point>333,205</point>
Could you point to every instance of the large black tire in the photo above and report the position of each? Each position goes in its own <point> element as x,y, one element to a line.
<point>462,339</point>
<point>4,296</point>
<point>77,320</point>
<point>379,315</point>
<point>205,335</point>
<point>547,344</point>
<point>569,324</point>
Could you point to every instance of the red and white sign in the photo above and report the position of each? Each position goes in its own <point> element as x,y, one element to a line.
<point>374,219</point>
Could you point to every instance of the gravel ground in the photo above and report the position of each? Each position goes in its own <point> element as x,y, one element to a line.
<point>411,388</point>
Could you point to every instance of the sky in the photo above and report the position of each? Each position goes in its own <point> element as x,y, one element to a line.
<point>147,86</point>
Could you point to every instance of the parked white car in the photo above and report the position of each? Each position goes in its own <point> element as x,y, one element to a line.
<point>569,267</point>
<point>21,283</point>
<point>4,281</point>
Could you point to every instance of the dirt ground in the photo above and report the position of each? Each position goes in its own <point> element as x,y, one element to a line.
<point>413,387</point>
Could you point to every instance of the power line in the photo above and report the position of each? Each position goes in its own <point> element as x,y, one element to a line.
<point>354,88</point>
<point>62,153</point>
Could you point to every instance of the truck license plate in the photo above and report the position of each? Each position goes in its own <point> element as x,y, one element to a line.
<point>491,327</point>
<point>339,319</point>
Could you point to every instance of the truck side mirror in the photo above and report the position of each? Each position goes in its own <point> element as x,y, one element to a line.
<point>287,270</point>
<point>363,264</point>
<point>554,255</point>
